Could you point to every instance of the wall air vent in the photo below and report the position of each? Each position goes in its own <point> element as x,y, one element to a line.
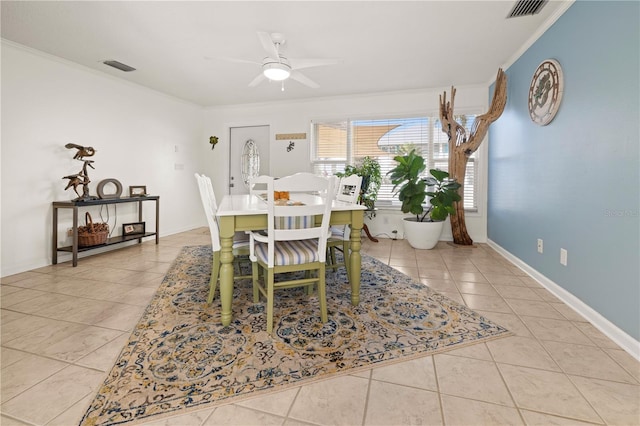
<point>526,7</point>
<point>119,65</point>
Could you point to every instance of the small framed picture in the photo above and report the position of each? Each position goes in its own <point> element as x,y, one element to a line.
<point>348,189</point>
<point>133,228</point>
<point>137,191</point>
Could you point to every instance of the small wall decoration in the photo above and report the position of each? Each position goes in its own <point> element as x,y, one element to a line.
<point>545,92</point>
<point>285,136</point>
<point>213,140</point>
<point>133,228</point>
<point>292,144</point>
<point>82,177</point>
<point>103,183</point>
<point>137,191</point>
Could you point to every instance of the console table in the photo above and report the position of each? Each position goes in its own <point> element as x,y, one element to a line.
<point>75,205</point>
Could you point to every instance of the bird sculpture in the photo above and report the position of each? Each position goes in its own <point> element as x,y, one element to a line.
<point>74,181</point>
<point>81,178</point>
<point>82,151</point>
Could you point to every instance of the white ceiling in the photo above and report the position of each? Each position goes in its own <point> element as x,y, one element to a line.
<point>381,46</point>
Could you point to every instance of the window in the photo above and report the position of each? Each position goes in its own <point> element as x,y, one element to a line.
<point>338,143</point>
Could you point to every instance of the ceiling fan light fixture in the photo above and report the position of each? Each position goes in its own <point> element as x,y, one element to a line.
<point>276,71</point>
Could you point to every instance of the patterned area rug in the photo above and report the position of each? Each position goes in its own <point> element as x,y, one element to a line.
<point>179,356</point>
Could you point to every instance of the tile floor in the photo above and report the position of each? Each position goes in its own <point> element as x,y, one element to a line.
<point>62,328</point>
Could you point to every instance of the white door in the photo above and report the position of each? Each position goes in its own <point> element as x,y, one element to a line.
<point>238,139</point>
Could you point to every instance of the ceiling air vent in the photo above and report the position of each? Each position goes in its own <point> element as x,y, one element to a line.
<point>119,65</point>
<point>526,7</point>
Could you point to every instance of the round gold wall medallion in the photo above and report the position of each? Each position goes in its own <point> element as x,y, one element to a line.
<point>545,92</point>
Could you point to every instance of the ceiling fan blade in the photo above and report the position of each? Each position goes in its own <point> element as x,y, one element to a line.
<point>298,76</point>
<point>257,80</point>
<point>299,64</point>
<point>268,45</point>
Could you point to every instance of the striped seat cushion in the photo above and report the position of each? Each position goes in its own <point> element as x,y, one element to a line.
<point>293,222</point>
<point>337,232</point>
<point>290,252</point>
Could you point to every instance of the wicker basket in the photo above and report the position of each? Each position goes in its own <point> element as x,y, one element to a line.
<point>92,234</point>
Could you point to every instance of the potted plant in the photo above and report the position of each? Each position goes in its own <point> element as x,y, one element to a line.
<point>423,231</point>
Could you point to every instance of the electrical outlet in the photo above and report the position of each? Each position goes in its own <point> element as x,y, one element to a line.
<point>540,247</point>
<point>70,232</point>
<point>563,257</point>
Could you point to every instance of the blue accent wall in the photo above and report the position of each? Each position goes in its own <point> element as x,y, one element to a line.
<point>575,183</point>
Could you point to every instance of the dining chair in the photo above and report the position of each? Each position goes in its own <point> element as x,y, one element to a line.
<point>240,245</point>
<point>348,191</point>
<point>258,185</point>
<point>296,239</point>
<point>239,236</point>
<point>209,188</point>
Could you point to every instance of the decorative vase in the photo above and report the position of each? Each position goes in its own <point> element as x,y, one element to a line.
<point>422,235</point>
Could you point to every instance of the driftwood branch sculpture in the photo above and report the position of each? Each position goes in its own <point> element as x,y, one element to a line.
<point>462,147</point>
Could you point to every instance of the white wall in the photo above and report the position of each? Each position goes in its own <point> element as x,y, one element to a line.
<point>141,136</point>
<point>296,116</point>
<point>48,102</point>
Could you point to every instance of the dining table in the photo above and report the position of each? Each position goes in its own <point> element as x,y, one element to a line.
<point>248,212</point>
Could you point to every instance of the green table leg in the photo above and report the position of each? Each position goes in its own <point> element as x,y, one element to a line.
<point>227,225</point>
<point>357,220</point>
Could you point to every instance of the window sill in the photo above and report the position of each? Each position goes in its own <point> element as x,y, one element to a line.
<point>395,209</point>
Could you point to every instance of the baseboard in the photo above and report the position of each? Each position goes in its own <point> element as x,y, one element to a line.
<point>626,342</point>
<point>31,264</point>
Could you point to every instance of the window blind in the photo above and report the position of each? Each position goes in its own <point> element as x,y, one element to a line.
<point>338,143</point>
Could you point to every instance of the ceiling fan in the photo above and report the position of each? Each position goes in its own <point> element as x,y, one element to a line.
<point>277,67</point>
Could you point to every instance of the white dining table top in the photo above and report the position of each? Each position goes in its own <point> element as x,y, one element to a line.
<point>247,204</point>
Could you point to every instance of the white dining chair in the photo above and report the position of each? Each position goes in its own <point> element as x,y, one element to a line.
<point>209,188</point>
<point>240,245</point>
<point>348,191</point>
<point>295,240</point>
<point>258,186</point>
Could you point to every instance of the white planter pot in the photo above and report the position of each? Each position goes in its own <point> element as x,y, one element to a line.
<point>422,235</point>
